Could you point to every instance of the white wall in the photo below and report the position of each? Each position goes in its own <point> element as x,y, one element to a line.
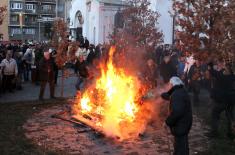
<point>92,32</point>
<point>103,16</point>
<point>98,22</point>
<point>107,22</point>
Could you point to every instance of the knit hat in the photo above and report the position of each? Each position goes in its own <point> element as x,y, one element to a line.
<point>175,81</point>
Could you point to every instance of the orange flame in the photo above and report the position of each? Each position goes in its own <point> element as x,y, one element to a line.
<point>112,101</point>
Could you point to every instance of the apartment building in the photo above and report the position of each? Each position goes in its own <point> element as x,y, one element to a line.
<point>31,19</point>
<point>4,25</point>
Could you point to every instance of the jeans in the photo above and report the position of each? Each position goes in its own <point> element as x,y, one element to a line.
<point>26,72</point>
<point>80,83</point>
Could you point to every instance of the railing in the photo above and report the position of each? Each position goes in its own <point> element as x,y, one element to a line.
<point>14,23</point>
<point>31,11</point>
<point>49,1</point>
<point>47,12</point>
<point>32,1</point>
<point>31,23</point>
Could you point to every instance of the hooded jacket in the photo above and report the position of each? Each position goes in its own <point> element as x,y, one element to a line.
<point>180,111</point>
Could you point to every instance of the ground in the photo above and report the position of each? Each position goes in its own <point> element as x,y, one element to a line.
<point>63,136</point>
<point>16,116</point>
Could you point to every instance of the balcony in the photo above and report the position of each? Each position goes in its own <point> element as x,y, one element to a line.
<point>31,23</point>
<point>49,2</point>
<point>31,1</point>
<point>47,12</point>
<point>16,10</point>
<point>14,23</point>
<point>31,11</point>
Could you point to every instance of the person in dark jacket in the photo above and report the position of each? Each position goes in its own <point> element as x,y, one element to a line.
<point>150,74</point>
<point>194,81</point>
<point>223,95</point>
<point>91,55</point>
<point>167,70</point>
<point>86,43</point>
<point>46,74</point>
<point>180,118</point>
<point>38,58</point>
<point>82,72</point>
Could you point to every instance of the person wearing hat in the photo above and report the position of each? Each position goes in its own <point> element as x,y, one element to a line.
<point>180,117</point>
<point>46,74</point>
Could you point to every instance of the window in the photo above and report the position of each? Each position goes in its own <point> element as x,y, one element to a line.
<point>61,8</point>
<point>16,6</point>
<point>30,19</point>
<point>15,18</point>
<point>15,31</point>
<point>30,7</point>
<point>29,31</point>
<point>46,7</point>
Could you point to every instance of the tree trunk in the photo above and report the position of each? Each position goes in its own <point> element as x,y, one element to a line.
<point>62,84</point>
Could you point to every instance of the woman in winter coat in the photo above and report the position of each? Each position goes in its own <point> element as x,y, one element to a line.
<point>179,119</point>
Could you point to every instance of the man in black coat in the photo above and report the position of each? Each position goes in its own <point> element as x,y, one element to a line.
<point>223,96</point>
<point>46,74</point>
<point>180,117</point>
<point>167,70</point>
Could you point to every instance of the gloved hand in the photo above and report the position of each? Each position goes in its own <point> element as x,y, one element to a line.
<point>165,96</point>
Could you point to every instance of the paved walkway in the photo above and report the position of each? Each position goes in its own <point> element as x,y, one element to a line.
<point>30,91</point>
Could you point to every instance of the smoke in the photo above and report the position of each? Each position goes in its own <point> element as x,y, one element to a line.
<point>128,62</point>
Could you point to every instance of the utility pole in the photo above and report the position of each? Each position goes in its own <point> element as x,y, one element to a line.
<point>56,9</point>
<point>21,26</point>
<point>173,30</point>
<point>65,8</point>
<point>39,31</point>
<point>39,28</point>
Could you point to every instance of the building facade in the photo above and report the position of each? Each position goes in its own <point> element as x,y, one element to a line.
<point>94,19</point>
<point>29,20</point>
<point>4,27</point>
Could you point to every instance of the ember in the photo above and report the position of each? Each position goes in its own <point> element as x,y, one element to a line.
<point>112,104</point>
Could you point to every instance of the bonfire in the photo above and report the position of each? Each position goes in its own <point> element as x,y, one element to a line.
<point>112,105</point>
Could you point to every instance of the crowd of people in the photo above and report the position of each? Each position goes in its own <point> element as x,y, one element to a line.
<point>36,63</point>
<point>17,61</point>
